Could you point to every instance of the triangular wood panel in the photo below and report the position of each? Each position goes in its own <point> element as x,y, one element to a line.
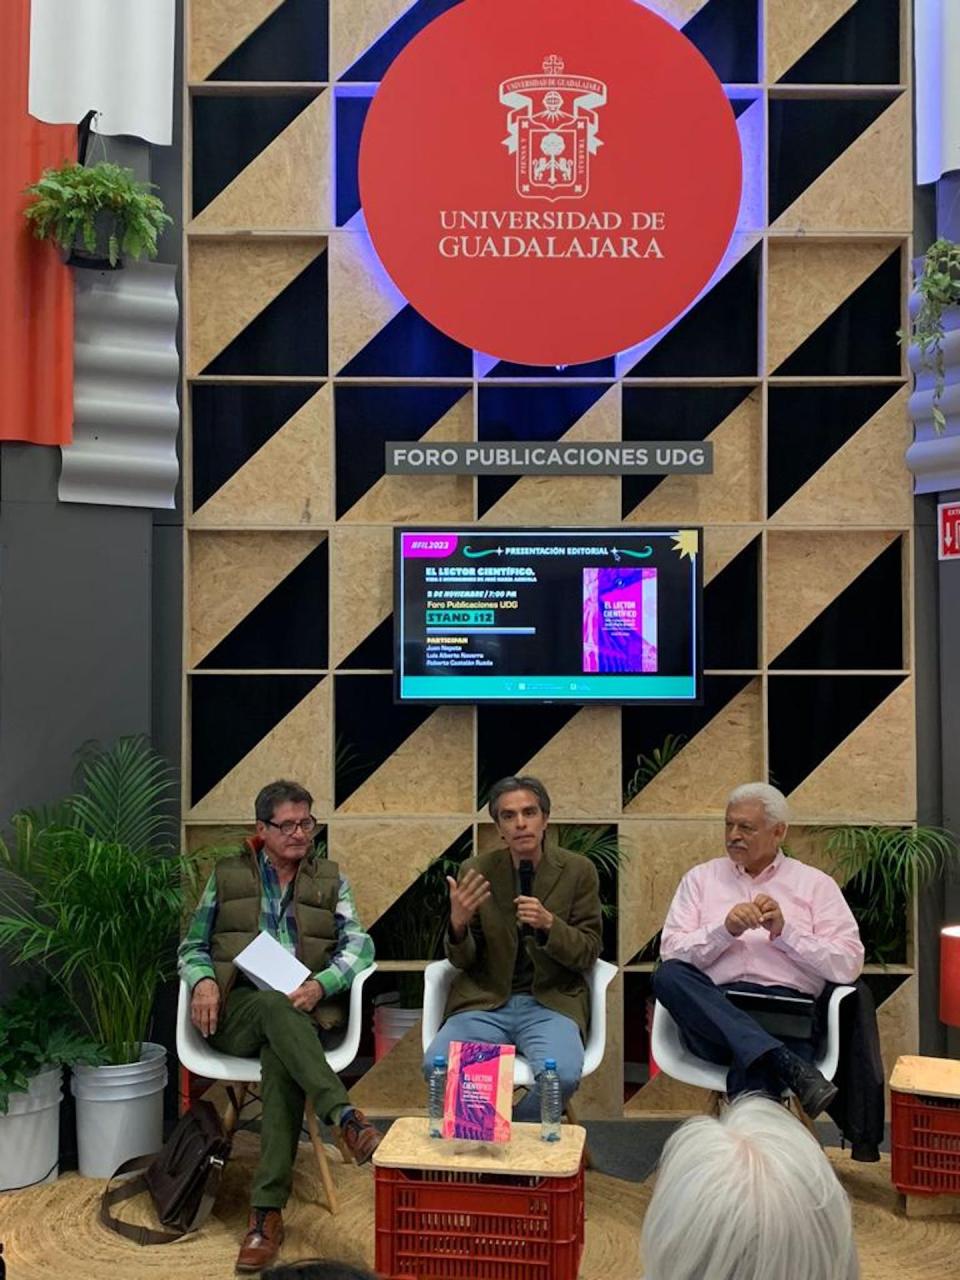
<point>871,775</point>
<point>297,748</point>
<point>230,573</point>
<point>792,29</point>
<point>581,764</point>
<point>806,571</point>
<point>362,297</point>
<point>217,27</point>
<point>231,282</point>
<point>431,772</point>
<point>287,481</point>
<point>354,27</point>
<point>808,282</point>
<point>711,764</point>
<point>394,1084</point>
<point>721,545</point>
<point>867,187</point>
<point>286,187</point>
<point>361,586</point>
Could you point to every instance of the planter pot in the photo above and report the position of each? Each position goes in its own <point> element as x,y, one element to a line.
<point>30,1132</point>
<point>390,1025</point>
<point>97,259</point>
<point>119,1111</point>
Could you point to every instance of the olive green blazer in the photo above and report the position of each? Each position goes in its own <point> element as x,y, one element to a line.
<point>566,883</point>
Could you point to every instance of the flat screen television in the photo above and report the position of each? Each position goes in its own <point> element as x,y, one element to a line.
<point>548,615</point>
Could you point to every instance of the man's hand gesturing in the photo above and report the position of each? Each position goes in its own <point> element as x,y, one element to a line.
<point>744,916</point>
<point>466,898</point>
<point>205,1006</point>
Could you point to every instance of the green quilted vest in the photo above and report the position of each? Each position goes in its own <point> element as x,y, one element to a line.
<point>315,894</point>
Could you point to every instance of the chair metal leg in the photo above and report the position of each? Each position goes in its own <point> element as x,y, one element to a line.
<point>329,1190</point>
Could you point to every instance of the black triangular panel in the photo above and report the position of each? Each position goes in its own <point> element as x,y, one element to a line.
<point>807,426</point>
<point>646,728</point>
<point>717,338</point>
<point>375,653</point>
<point>837,638</point>
<point>351,115</point>
<point>289,336</point>
<point>671,413</point>
<point>410,347</point>
<point>509,737</point>
<point>229,132</point>
<point>372,65</point>
<point>862,47</point>
<point>230,715</point>
<point>731,613</point>
<point>811,715</point>
<point>806,136</point>
<point>367,417</point>
<point>369,728</point>
<point>290,46</point>
<point>231,423</point>
<point>264,639</point>
<point>395,932</point>
<point>528,413</point>
<point>860,338</point>
<point>725,32</point>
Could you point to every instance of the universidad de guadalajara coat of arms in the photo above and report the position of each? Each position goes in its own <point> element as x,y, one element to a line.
<point>552,130</point>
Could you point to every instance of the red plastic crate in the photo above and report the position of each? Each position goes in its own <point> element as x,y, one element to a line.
<point>477,1226</point>
<point>926,1144</point>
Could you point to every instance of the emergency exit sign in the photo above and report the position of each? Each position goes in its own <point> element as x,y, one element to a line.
<point>948,525</point>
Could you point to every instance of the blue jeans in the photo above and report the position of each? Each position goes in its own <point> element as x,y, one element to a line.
<point>537,1032</point>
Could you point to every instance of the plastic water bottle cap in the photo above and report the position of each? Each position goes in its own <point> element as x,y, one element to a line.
<point>439,1061</point>
<point>550,1064</point>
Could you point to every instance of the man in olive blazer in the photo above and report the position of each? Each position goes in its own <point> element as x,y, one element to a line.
<point>525,928</point>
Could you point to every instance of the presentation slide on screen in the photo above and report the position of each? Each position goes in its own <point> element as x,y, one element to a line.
<point>582,616</point>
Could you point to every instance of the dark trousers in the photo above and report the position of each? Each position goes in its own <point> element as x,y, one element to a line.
<point>293,1067</point>
<point>714,1029</point>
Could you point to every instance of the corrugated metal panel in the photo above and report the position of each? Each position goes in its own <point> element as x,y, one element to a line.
<point>111,56</point>
<point>36,291</point>
<point>125,389</point>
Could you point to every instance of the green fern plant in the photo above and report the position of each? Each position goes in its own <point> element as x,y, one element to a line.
<point>648,766</point>
<point>602,846</point>
<point>71,204</point>
<point>938,286</point>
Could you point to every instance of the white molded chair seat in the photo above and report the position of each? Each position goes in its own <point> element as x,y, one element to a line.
<point>438,978</point>
<point>674,1058</point>
<point>201,1059</point>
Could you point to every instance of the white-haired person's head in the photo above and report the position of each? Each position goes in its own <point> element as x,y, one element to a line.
<point>748,1196</point>
<point>774,802</point>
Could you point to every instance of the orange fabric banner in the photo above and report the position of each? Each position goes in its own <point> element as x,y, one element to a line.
<point>36,289</point>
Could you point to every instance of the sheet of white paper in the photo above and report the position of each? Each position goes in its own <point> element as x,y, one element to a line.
<point>270,966</point>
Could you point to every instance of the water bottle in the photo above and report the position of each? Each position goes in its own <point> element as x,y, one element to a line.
<point>436,1092</point>
<point>551,1103</point>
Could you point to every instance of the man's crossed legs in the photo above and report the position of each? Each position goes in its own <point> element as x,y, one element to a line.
<point>537,1032</point>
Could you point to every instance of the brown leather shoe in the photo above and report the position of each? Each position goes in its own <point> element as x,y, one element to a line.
<point>262,1242</point>
<point>357,1138</point>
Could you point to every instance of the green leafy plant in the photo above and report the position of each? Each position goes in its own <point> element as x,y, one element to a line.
<point>882,868</point>
<point>938,286</point>
<point>648,766</point>
<point>74,202</point>
<point>95,898</point>
<point>602,846</point>
<point>34,1035</point>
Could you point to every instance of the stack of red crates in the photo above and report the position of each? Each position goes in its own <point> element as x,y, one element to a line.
<point>478,1226</point>
<point>925,1141</point>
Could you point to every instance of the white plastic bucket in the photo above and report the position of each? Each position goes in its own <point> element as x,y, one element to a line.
<point>119,1111</point>
<point>30,1132</point>
<point>390,1025</point>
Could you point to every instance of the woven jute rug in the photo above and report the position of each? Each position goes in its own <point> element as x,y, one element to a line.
<point>54,1231</point>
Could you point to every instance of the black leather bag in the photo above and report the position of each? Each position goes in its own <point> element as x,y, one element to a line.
<point>182,1178</point>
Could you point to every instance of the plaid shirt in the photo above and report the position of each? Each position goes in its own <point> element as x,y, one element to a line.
<point>352,954</point>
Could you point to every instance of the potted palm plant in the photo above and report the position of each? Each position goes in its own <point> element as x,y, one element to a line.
<point>94,899</point>
<point>37,1041</point>
<point>97,214</point>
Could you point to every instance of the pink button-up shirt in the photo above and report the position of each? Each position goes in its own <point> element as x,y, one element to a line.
<point>820,941</point>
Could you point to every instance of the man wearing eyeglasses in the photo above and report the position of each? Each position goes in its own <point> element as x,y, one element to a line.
<point>279,885</point>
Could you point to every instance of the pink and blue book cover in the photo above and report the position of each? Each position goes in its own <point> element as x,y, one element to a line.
<point>479,1097</point>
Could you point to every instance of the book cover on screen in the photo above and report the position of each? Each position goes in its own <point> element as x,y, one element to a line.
<point>479,1097</point>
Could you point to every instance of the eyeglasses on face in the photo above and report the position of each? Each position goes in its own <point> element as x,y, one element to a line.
<point>307,825</point>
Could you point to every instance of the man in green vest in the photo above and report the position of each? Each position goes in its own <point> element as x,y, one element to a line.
<point>280,886</point>
<point>525,929</point>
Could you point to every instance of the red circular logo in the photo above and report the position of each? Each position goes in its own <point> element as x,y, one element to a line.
<point>550,182</point>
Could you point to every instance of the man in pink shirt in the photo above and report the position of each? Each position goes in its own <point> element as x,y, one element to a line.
<point>755,921</point>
